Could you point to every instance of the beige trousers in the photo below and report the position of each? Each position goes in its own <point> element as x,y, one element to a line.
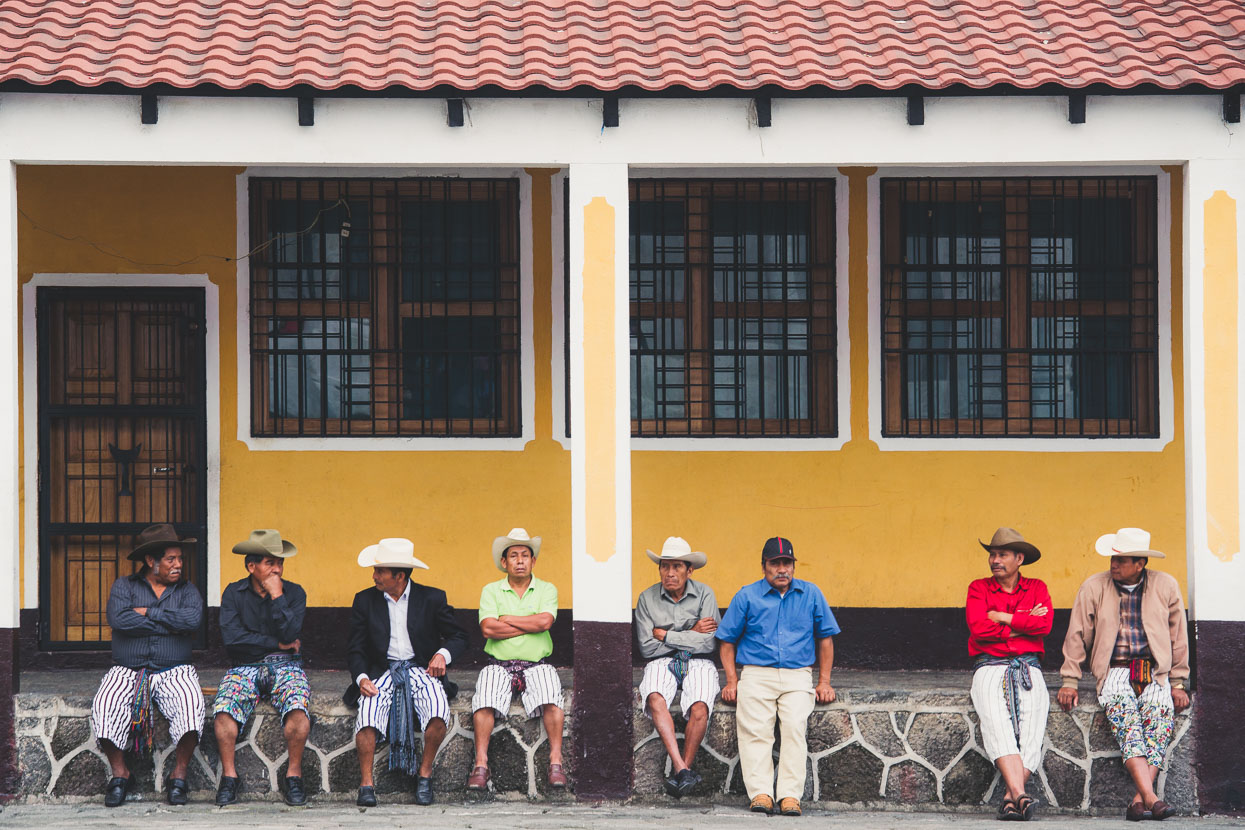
<point>763,694</point>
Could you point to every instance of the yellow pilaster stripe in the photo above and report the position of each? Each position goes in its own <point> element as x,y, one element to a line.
<point>599,391</point>
<point>542,296</point>
<point>858,295</point>
<point>1219,324</point>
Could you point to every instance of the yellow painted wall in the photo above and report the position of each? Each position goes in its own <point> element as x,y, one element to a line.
<point>872,528</point>
<point>329,504</point>
<point>877,528</point>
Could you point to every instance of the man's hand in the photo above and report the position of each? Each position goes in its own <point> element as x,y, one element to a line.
<point>1000,617</point>
<point>660,634</point>
<point>272,586</point>
<point>730,692</point>
<point>436,666</point>
<point>142,611</point>
<point>1181,699</point>
<point>368,689</point>
<point>1068,698</point>
<point>825,692</point>
<point>295,646</point>
<point>705,625</point>
<point>1039,611</point>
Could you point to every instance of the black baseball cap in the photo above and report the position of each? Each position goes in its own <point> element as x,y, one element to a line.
<point>777,548</point>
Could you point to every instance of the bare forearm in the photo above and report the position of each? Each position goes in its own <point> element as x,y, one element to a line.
<point>530,624</point>
<point>727,653</point>
<point>825,659</point>
<point>495,629</point>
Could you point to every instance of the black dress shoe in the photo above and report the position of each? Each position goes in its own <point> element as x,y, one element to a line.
<point>295,796</point>
<point>423,791</point>
<point>687,781</point>
<point>227,792</point>
<point>367,797</point>
<point>179,791</point>
<point>116,790</point>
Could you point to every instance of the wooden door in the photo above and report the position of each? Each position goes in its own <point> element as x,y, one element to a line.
<point>122,443</point>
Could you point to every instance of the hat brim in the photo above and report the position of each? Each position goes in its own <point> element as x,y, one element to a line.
<point>1105,546</point>
<point>250,548</point>
<point>502,543</point>
<point>1031,553</point>
<point>158,547</point>
<point>372,557</point>
<point>695,559</point>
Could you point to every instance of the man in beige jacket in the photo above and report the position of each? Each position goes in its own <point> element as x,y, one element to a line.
<point>1130,624</point>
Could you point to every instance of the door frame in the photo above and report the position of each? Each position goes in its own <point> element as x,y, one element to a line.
<point>30,413</point>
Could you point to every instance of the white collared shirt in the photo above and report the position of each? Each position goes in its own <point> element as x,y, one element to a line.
<point>400,647</point>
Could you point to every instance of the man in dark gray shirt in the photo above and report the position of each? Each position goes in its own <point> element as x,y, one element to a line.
<point>261,623</point>
<point>674,624</point>
<point>154,616</point>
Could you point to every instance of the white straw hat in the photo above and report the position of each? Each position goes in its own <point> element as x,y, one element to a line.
<point>517,536</point>
<point>1127,541</point>
<point>676,549</point>
<point>390,553</point>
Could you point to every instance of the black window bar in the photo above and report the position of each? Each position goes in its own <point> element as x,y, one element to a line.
<point>1020,307</point>
<point>732,307</point>
<point>385,307</point>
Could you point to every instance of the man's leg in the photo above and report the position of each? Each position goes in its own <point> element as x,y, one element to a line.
<point>434,734</point>
<point>554,718</point>
<point>291,696</point>
<point>110,716</point>
<point>297,727</point>
<point>544,692</point>
<point>365,748</point>
<point>116,759</point>
<point>794,706</point>
<point>226,729</point>
<point>371,722</point>
<point>482,721</point>
<point>659,712</point>
<point>755,710</point>
<point>694,732</point>
<point>181,756</point>
<point>179,696</point>
<point>1012,771</point>
<point>492,694</point>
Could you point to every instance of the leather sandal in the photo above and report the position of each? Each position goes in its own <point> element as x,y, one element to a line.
<point>1008,811</point>
<point>1024,805</point>
<point>478,780</point>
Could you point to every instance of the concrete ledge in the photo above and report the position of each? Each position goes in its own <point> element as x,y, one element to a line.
<point>907,740</point>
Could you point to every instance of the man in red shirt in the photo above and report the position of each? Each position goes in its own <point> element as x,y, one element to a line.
<point>1008,616</point>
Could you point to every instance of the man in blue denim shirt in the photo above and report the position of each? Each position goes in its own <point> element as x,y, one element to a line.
<point>773,628</point>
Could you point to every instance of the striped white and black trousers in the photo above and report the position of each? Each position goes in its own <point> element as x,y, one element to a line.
<point>175,692</point>
<point>493,689</point>
<point>427,694</point>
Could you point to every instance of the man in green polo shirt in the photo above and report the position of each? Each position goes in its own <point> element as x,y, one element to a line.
<point>516,613</point>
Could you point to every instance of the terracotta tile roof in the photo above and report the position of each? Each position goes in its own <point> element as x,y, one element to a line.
<point>609,44</point>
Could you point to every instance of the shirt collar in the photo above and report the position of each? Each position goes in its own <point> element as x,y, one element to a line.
<point>505,585</point>
<point>796,585</point>
<point>692,589</point>
<point>1141,584</point>
<point>402,598</point>
<point>1021,583</point>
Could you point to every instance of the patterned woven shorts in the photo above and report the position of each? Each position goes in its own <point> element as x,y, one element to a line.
<point>240,688</point>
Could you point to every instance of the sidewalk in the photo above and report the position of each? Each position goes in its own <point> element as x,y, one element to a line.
<point>524,817</point>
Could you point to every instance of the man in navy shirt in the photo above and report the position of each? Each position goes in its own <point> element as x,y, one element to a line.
<point>773,628</point>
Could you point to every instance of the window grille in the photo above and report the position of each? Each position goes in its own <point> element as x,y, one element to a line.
<point>1020,307</point>
<point>732,308</point>
<point>385,307</point>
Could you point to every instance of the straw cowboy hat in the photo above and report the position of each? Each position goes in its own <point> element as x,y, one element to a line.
<point>390,553</point>
<point>154,540</point>
<point>517,536</point>
<point>266,543</point>
<point>676,549</point>
<point>1009,539</point>
<point>1127,541</point>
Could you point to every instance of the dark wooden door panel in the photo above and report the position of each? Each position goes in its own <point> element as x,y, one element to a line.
<point>122,434</point>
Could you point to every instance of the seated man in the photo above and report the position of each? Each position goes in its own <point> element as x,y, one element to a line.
<point>516,613</point>
<point>404,635</point>
<point>154,617</point>
<point>776,627</point>
<point>674,624</point>
<point>261,621</point>
<point>1129,624</point>
<point>1008,615</point>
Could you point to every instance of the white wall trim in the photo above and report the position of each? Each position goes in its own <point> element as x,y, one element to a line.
<point>11,447</point>
<point>557,299</point>
<point>527,354</point>
<point>842,293</point>
<point>30,409</point>
<point>1022,444</point>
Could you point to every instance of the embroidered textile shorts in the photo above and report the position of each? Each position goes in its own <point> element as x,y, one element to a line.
<point>240,688</point>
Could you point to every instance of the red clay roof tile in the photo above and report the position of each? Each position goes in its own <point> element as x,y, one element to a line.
<point>609,44</point>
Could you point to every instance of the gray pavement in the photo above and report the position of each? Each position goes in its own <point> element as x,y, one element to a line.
<point>523,816</point>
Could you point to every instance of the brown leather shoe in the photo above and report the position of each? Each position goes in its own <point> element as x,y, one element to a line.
<point>761,804</point>
<point>1136,812</point>
<point>557,778</point>
<point>478,780</point>
<point>1160,810</point>
<point>789,806</point>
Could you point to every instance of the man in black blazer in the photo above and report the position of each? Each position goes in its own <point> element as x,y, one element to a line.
<point>402,637</point>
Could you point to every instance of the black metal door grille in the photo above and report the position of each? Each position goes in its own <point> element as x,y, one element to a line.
<point>122,444</point>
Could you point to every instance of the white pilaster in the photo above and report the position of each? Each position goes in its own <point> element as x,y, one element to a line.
<point>10,439</point>
<point>600,393</point>
<point>1214,400</point>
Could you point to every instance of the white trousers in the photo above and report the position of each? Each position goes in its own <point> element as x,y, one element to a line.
<point>767,693</point>
<point>997,734</point>
<point>427,693</point>
<point>700,685</point>
<point>175,692</point>
<point>493,689</point>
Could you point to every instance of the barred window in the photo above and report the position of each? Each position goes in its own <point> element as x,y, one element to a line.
<point>1020,307</point>
<point>384,307</point>
<point>732,308</point>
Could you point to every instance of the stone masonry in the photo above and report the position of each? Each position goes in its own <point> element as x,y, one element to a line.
<point>878,746</point>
